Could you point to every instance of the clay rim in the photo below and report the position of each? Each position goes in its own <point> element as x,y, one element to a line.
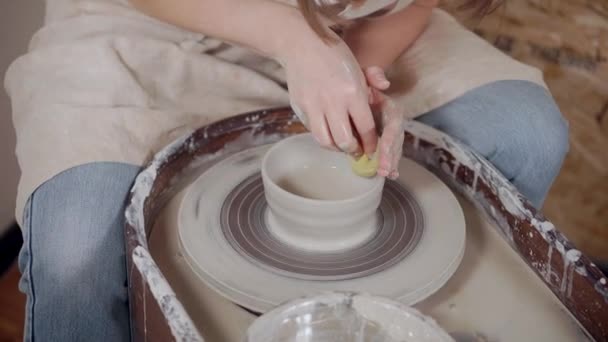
<point>379,183</point>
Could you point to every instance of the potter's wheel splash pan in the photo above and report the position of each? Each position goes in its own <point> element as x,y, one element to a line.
<point>157,315</point>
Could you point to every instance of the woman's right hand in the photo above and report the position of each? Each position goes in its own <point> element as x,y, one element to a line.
<point>327,90</point>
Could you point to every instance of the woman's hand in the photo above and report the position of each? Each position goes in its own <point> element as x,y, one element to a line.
<point>376,79</point>
<point>325,81</point>
<point>390,118</point>
<point>329,92</point>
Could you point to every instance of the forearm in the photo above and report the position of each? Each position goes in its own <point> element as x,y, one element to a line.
<point>380,42</point>
<point>265,26</point>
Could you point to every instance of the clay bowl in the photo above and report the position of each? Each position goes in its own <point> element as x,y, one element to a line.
<point>316,202</point>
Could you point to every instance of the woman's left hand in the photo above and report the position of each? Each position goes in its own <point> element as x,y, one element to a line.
<point>390,118</point>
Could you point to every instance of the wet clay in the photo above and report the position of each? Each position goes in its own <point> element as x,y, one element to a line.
<point>522,228</point>
<point>311,181</point>
<point>517,308</point>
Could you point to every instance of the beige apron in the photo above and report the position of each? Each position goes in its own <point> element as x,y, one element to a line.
<point>102,82</point>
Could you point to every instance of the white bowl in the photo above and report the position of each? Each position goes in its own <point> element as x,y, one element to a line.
<point>345,317</point>
<point>316,201</point>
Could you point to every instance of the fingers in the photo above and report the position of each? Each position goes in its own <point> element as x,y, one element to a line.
<point>376,78</point>
<point>376,99</point>
<point>299,113</point>
<point>389,155</point>
<point>391,143</point>
<point>384,157</point>
<point>331,124</point>
<point>396,155</point>
<point>334,131</point>
<point>320,130</point>
<point>363,120</point>
<point>341,131</point>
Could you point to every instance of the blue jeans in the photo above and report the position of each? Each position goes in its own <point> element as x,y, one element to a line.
<point>517,126</point>
<point>73,258</point>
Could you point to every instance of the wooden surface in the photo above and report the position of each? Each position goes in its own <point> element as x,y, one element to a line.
<point>12,307</point>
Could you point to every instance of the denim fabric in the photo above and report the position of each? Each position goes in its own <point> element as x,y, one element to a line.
<point>516,125</point>
<point>73,257</point>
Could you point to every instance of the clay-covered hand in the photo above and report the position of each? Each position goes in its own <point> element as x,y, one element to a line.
<point>329,92</point>
<point>390,146</point>
<point>390,118</point>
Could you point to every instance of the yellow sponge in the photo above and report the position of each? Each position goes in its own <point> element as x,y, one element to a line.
<point>365,166</point>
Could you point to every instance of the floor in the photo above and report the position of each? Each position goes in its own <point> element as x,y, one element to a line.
<point>11,307</point>
<point>568,40</point>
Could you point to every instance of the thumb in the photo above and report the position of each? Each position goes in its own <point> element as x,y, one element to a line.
<point>376,78</point>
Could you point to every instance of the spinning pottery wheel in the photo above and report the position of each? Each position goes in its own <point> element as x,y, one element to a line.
<point>244,224</point>
<point>237,241</point>
<point>225,237</point>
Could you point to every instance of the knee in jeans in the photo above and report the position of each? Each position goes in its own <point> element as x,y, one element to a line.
<point>533,133</point>
<point>79,268</point>
<point>559,139</point>
<point>78,256</point>
<point>546,137</point>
